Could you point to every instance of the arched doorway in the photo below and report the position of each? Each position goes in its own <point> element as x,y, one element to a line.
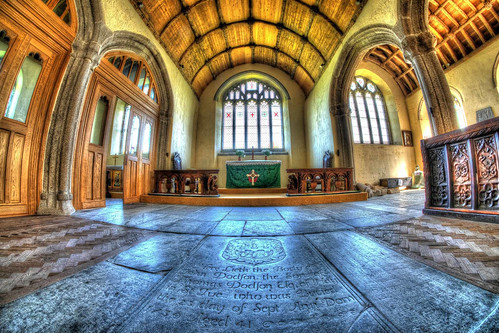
<point>117,134</point>
<point>35,43</point>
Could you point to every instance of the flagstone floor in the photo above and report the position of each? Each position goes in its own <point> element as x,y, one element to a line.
<point>374,266</point>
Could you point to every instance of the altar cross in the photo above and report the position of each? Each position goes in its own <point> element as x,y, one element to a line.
<point>252,177</point>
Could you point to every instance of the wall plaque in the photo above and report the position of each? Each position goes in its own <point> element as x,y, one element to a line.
<point>484,114</point>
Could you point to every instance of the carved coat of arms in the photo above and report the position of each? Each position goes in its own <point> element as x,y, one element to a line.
<point>254,251</point>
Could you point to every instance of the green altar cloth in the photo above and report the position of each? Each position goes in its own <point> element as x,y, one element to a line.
<point>265,174</point>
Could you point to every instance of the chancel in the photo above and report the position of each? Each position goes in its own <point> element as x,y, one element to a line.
<point>249,166</point>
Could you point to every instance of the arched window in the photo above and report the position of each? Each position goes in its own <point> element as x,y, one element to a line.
<point>368,111</point>
<point>458,106</point>
<point>137,72</point>
<point>252,117</point>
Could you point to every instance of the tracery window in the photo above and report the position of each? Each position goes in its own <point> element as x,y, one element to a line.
<point>368,112</point>
<point>252,117</point>
<point>60,8</point>
<point>4,44</point>
<point>137,72</point>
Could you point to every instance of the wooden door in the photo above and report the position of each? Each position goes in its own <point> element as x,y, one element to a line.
<point>132,172</point>
<point>90,164</point>
<point>26,65</point>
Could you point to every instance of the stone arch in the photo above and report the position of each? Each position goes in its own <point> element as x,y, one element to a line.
<point>351,55</point>
<point>143,47</point>
<point>92,42</point>
<point>495,73</point>
<point>413,16</point>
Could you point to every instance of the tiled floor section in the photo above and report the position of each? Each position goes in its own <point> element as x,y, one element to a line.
<point>268,269</point>
<point>36,251</point>
<point>466,250</point>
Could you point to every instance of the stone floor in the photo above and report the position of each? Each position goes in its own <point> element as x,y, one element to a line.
<point>285,269</point>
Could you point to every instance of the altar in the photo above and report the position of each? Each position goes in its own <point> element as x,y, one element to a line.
<point>253,174</point>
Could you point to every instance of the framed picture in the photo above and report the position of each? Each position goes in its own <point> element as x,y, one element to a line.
<point>407,138</point>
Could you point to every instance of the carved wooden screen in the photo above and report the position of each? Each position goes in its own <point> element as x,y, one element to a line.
<point>462,169</point>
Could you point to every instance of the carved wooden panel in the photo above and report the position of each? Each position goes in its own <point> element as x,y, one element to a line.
<point>88,172</point>
<point>438,180</point>
<point>16,167</point>
<point>461,173</point>
<point>4,148</point>
<point>97,176</point>
<point>488,177</point>
<point>319,180</point>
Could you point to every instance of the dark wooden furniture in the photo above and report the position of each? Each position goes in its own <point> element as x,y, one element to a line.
<point>325,180</point>
<point>461,172</point>
<point>194,182</point>
<point>396,182</point>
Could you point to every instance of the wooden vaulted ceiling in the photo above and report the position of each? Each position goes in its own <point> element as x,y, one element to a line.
<point>460,27</point>
<point>207,37</point>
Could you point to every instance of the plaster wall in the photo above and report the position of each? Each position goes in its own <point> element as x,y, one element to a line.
<point>474,79</point>
<point>318,123</point>
<point>120,15</point>
<point>209,127</point>
<point>373,162</point>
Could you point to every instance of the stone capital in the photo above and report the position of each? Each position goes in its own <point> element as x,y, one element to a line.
<point>418,44</point>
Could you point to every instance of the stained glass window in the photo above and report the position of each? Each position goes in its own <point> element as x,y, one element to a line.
<point>252,117</point>
<point>368,112</point>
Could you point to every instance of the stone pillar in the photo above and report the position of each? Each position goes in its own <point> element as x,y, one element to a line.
<point>163,138</point>
<point>419,50</point>
<point>344,143</point>
<point>56,197</point>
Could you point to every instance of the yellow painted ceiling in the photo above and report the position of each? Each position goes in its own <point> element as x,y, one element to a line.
<point>207,37</point>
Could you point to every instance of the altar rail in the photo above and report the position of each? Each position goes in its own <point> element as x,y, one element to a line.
<point>461,172</point>
<point>326,180</point>
<point>199,182</point>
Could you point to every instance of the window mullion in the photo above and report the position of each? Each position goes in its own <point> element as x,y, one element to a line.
<point>234,124</point>
<point>258,122</point>
<point>378,120</point>
<point>368,117</point>
<point>271,132</point>
<point>246,124</point>
<point>358,115</point>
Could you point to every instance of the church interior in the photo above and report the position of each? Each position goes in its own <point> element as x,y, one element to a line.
<point>249,166</point>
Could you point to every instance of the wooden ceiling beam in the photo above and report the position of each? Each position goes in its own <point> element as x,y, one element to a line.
<point>252,57</point>
<point>459,10</point>
<point>451,52</point>
<point>487,25</point>
<point>460,45</point>
<point>443,56</point>
<point>472,6</point>
<point>436,33</point>
<point>465,24</point>
<point>451,18</point>
<point>477,31</point>
<point>468,39</point>
<point>493,12</point>
<point>256,21</point>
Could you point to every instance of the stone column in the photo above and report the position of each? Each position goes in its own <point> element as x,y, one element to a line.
<point>344,143</point>
<point>419,50</point>
<point>162,159</point>
<point>56,197</point>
